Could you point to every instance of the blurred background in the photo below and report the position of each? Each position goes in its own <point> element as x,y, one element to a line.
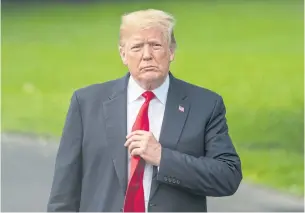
<point>250,52</point>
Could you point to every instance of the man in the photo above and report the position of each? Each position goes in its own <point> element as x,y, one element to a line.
<point>147,141</point>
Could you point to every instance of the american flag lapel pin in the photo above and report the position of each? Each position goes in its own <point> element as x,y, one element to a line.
<point>181,108</point>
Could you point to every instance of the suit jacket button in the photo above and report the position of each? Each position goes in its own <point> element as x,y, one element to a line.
<point>152,204</point>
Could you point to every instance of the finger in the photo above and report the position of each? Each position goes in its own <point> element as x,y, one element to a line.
<point>133,138</point>
<point>137,151</point>
<point>137,132</point>
<point>134,145</point>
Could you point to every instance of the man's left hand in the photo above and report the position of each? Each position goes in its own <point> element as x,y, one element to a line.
<point>144,144</point>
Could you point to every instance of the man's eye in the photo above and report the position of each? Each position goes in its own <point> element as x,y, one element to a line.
<point>157,46</point>
<point>136,47</point>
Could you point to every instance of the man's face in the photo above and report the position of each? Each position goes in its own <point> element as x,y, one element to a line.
<point>147,55</point>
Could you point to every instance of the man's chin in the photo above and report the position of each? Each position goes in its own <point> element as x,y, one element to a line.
<point>151,75</point>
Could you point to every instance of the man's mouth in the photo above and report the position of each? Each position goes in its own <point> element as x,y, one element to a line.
<point>148,68</point>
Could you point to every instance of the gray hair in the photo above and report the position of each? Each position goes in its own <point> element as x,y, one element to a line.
<point>144,19</point>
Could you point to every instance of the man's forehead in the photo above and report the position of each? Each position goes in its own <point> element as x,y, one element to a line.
<point>147,37</point>
<point>143,38</point>
<point>147,33</point>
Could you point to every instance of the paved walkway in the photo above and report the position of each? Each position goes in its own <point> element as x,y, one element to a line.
<point>27,170</point>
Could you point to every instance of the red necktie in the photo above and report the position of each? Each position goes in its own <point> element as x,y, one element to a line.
<point>134,199</point>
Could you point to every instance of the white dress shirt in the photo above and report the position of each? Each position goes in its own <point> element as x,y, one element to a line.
<point>155,115</point>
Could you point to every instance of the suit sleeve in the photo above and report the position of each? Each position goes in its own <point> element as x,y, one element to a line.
<point>217,173</point>
<point>66,186</point>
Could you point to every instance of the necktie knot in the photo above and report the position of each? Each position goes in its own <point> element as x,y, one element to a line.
<point>148,95</point>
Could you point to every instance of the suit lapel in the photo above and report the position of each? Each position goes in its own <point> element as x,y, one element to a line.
<point>176,111</point>
<point>115,114</point>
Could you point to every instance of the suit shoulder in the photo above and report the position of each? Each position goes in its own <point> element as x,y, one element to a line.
<point>203,98</point>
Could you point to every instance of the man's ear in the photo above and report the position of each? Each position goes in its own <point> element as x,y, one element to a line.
<point>172,54</point>
<point>123,55</point>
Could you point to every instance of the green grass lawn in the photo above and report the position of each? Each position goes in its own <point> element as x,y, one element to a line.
<point>251,53</point>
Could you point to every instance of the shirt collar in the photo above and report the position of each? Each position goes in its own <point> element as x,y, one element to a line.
<point>135,91</point>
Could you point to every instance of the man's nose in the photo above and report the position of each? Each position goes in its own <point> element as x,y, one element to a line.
<point>147,54</point>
